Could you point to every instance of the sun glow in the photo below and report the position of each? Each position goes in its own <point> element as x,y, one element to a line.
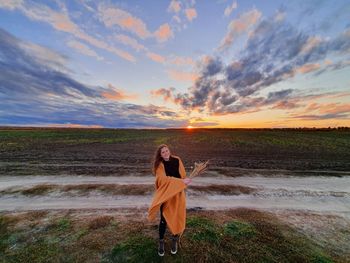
<point>189,127</point>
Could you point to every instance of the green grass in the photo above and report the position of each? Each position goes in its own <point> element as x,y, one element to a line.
<point>239,229</point>
<point>234,236</point>
<point>135,249</point>
<point>202,230</point>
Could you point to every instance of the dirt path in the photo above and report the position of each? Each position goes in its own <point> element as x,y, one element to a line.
<point>329,195</point>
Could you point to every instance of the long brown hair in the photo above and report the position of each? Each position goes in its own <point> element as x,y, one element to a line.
<point>157,157</point>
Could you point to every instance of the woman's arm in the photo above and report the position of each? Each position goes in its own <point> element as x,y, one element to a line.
<point>182,172</point>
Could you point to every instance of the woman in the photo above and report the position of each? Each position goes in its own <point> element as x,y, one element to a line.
<point>169,197</point>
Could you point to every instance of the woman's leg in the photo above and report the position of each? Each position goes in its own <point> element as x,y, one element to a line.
<point>162,228</point>
<point>162,224</point>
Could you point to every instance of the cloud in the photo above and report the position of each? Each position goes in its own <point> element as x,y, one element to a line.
<point>280,16</point>
<point>116,94</point>
<point>191,14</point>
<point>181,61</point>
<point>311,43</point>
<point>40,54</point>
<point>308,68</point>
<point>174,6</point>
<point>163,33</point>
<point>239,26</point>
<point>210,66</point>
<point>83,49</point>
<point>156,57</point>
<point>321,116</point>
<point>111,16</point>
<point>61,22</point>
<point>275,52</point>
<point>328,108</point>
<point>163,92</point>
<point>129,41</point>
<point>35,92</point>
<point>11,4</point>
<point>230,8</point>
<point>182,75</point>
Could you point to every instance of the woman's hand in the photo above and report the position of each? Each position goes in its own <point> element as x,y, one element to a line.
<point>187,181</point>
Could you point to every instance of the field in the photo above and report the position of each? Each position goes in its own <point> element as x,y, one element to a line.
<point>81,195</point>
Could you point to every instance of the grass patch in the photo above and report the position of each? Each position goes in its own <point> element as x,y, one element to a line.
<point>138,248</point>
<point>60,224</point>
<point>202,229</point>
<point>223,189</point>
<point>239,229</point>
<point>4,234</point>
<point>39,250</point>
<point>41,189</point>
<point>239,235</point>
<point>84,189</point>
<point>100,222</point>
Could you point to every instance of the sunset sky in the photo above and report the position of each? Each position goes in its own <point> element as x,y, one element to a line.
<point>161,64</point>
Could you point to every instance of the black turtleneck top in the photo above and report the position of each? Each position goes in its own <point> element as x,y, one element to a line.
<point>172,167</point>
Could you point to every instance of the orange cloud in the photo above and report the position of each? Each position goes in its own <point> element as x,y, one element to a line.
<point>191,13</point>
<point>182,76</point>
<point>163,33</point>
<point>115,16</point>
<point>182,61</point>
<point>117,94</point>
<point>174,6</point>
<point>239,26</point>
<point>131,42</point>
<point>62,22</point>
<point>333,108</point>
<point>310,44</point>
<point>308,68</point>
<point>155,57</point>
<point>165,93</point>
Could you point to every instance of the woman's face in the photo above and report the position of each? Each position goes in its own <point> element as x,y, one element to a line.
<point>165,153</point>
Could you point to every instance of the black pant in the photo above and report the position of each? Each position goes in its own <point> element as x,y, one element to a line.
<point>162,224</point>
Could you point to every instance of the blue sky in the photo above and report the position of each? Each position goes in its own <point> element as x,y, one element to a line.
<point>159,64</point>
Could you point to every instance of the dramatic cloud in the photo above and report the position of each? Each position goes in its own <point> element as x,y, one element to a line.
<point>275,52</point>
<point>61,22</point>
<point>230,8</point>
<point>37,91</point>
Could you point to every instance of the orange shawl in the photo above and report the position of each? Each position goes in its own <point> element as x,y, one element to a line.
<point>170,192</point>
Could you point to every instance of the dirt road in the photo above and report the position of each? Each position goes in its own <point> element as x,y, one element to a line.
<point>329,195</point>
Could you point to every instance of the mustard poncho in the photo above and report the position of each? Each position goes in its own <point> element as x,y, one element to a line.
<point>170,192</point>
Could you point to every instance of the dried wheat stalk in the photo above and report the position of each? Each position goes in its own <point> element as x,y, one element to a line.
<point>199,168</point>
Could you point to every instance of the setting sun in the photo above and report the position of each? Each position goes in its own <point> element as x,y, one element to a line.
<point>189,127</point>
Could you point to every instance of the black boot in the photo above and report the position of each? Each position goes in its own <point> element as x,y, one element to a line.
<point>174,239</point>
<point>161,250</point>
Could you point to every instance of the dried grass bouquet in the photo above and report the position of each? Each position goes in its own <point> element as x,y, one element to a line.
<point>199,168</point>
